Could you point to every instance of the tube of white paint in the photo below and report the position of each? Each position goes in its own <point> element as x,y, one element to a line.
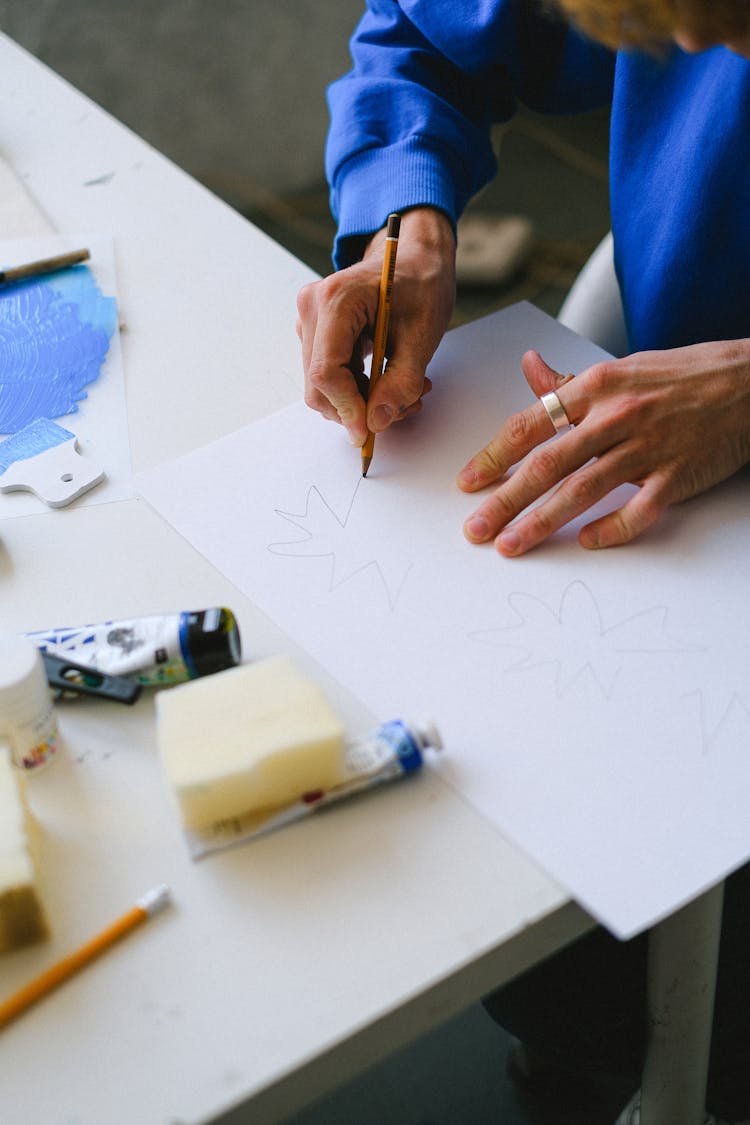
<point>154,650</point>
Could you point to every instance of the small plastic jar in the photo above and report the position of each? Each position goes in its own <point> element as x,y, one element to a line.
<point>27,716</point>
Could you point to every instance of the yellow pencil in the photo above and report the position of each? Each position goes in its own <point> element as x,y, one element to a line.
<point>44,265</point>
<point>144,908</point>
<point>381,322</point>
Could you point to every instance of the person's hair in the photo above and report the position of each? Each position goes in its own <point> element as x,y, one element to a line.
<point>648,23</point>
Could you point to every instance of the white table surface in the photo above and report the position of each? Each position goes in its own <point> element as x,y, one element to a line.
<point>284,966</point>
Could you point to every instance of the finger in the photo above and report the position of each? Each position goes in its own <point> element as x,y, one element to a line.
<point>337,398</point>
<point>540,376</point>
<point>579,492</point>
<point>305,332</point>
<point>307,319</point>
<point>402,383</point>
<point>575,495</point>
<point>545,381</point>
<point>414,407</point>
<point>518,435</point>
<point>389,402</point>
<point>542,470</point>
<point>331,354</point>
<point>615,529</point>
<point>306,326</point>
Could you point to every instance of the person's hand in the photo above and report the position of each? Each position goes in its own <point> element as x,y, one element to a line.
<point>672,422</point>
<point>336,318</point>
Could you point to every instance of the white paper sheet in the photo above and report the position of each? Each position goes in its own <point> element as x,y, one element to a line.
<point>594,705</point>
<point>100,423</point>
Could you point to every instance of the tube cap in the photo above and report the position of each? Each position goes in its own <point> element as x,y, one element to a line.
<point>212,641</point>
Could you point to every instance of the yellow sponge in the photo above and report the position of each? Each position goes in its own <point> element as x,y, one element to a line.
<point>253,737</point>
<point>22,919</point>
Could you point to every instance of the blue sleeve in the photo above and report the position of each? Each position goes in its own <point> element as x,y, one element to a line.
<point>411,122</point>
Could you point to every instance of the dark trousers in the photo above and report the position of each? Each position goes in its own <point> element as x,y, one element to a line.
<point>585,1007</point>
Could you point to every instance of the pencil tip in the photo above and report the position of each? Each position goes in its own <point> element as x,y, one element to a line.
<point>365,465</point>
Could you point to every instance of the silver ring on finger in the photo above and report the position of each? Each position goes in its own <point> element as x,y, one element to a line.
<point>555,412</point>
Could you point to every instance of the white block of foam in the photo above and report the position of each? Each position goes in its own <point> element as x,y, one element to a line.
<point>253,737</point>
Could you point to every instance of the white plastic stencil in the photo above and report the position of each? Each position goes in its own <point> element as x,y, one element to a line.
<point>43,458</point>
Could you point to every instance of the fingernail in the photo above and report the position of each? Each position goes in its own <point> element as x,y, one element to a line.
<point>476,527</point>
<point>509,541</point>
<point>468,476</point>
<point>382,417</point>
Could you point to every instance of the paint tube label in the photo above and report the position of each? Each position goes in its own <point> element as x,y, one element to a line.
<point>34,743</point>
<point>392,749</point>
<point>151,650</point>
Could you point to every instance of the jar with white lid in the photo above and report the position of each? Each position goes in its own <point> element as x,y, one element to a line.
<point>28,722</point>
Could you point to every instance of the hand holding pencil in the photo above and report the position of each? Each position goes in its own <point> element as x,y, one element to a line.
<point>382,321</point>
<point>336,326</point>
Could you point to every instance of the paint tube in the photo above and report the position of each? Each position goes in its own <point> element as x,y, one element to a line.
<point>394,750</point>
<point>160,649</point>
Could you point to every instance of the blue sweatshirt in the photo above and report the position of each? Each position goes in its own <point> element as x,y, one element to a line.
<point>410,125</point>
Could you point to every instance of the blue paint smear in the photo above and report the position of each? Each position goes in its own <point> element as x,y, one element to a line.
<point>30,441</point>
<point>54,337</point>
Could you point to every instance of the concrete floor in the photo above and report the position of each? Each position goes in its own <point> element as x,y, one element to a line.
<point>456,1075</point>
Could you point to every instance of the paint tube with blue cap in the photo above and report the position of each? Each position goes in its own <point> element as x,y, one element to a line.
<point>154,650</point>
<point>393,750</point>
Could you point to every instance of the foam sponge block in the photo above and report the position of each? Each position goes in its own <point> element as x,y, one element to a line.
<point>22,919</point>
<point>253,737</point>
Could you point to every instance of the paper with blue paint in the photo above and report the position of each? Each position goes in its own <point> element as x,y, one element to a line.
<point>55,333</point>
<point>30,441</point>
<point>60,357</point>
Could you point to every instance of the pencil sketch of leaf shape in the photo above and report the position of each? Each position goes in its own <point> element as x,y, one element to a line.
<point>326,535</point>
<point>534,618</point>
<point>727,725</point>
<point>318,524</point>
<point>646,632</point>
<point>575,638</point>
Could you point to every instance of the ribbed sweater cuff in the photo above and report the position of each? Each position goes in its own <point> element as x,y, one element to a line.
<point>378,181</point>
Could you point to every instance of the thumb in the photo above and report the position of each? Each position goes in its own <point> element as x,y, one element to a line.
<point>399,387</point>
<point>540,376</point>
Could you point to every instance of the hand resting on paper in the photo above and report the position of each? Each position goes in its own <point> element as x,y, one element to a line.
<point>672,422</point>
<point>336,317</point>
